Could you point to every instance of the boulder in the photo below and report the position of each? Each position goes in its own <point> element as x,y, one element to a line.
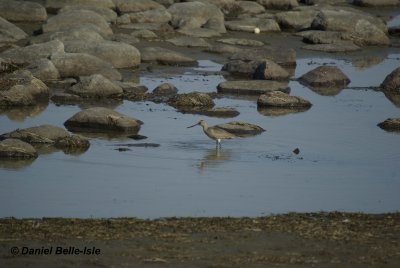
<point>283,57</point>
<point>160,15</point>
<point>144,34</point>
<point>296,19</point>
<point>13,148</point>
<point>321,37</point>
<point>9,32</point>
<point>325,76</point>
<point>54,5</point>
<point>280,99</point>
<point>367,34</point>
<point>392,81</point>
<point>99,119</point>
<point>165,56</point>
<point>73,144</point>
<point>65,99</point>
<point>29,54</point>
<point>81,64</point>
<point>252,87</point>
<point>165,89</point>
<point>390,124</point>
<point>22,11</point>
<point>43,69</point>
<point>120,55</point>
<point>241,42</point>
<point>129,6</point>
<point>73,18</point>
<point>278,4</point>
<point>108,14</point>
<point>96,86</point>
<point>269,70</point>
<point>249,24</point>
<point>20,88</point>
<point>375,3</point>
<point>241,129</point>
<point>187,41</point>
<point>250,7</point>
<point>85,32</point>
<point>194,15</point>
<point>193,100</point>
<point>241,68</point>
<point>44,134</point>
<point>220,112</point>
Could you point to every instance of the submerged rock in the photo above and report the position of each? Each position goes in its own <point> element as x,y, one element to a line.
<point>193,100</point>
<point>282,56</point>
<point>241,129</point>
<point>221,112</point>
<point>14,148</point>
<point>165,89</point>
<point>281,99</point>
<point>46,134</point>
<point>325,76</point>
<point>342,46</point>
<point>252,87</point>
<point>96,86</point>
<point>99,119</point>
<point>390,124</point>
<point>73,144</point>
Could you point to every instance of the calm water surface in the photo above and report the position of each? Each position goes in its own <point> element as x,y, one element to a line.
<point>346,162</point>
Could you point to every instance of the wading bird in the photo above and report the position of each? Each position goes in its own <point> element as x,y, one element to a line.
<point>216,133</point>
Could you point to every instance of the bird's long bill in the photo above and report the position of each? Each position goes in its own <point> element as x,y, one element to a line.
<point>193,125</point>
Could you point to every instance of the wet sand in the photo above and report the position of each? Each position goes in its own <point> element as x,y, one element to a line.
<point>291,240</point>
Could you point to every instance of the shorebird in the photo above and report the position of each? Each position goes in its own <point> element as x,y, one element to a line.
<point>216,133</point>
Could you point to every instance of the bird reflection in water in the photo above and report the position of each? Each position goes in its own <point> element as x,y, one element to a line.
<point>214,158</point>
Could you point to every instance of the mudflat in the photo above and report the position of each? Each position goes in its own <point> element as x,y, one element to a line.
<point>322,239</point>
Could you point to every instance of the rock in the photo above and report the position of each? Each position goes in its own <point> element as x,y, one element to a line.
<point>297,19</point>
<point>85,32</point>
<point>280,111</point>
<point>13,148</point>
<point>241,129</point>
<point>73,18</point>
<point>43,69</point>
<point>165,89</point>
<point>54,5</point>
<point>325,76</point>
<point>160,15</point>
<point>194,15</point>
<point>390,124</point>
<point>193,100</point>
<point>81,64</point>
<point>144,34</point>
<point>241,42</point>
<point>392,82</point>
<point>283,57</point>
<point>269,70</point>
<point>221,112</point>
<point>25,11</point>
<point>160,27</point>
<point>374,3</point>
<point>7,66</point>
<point>9,32</point>
<point>200,32</point>
<point>73,144</point>
<point>44,134</point>
<point>29,54</point>
<point>125,38</point>
<point>65,99</point>
<point>339,46</point>
<point>321,37</point>
<point>165,56</point>
<point>120,55</point>
<point>367,34</point>
<point>278,4</point>
<point>108,14</point>
<point>186,41</point>
<point>250,7</point>
<point>223,49</point>
<point>99,119</point>
<point>251,87</point>
<point>129,6</point>
<point>241,68</point>
<point>96,86</point>
<point>249,24</point>
<point>281,99</point>
<point>20,88</point>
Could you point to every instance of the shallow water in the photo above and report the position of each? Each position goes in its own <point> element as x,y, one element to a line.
<point>345,162</point>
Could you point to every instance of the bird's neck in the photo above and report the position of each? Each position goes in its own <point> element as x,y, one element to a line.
<point>205,126</point>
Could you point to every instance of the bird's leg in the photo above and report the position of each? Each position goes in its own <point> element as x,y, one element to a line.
<point>219,143</point>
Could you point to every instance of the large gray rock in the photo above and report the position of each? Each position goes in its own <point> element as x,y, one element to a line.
<point>241,68</point>
<point>252,87</point>
<point>165,56</point>
<point>281,99</point>
<point>13,148</point>
<point>278,4</point>
<point>390,124</point>
<point>165,89</point>
<point>325,76</point>
<point>96,86</point>
<point>43,69</point>
<point>55,5</point>
<point>129,6</point>
<point>192,15</point>
<point>241,129</point>
<point>18,11</point>
<point>45,134</point>
<point>392,81</point>
<point>28,54</point>
<point>86,32</point>
<point>296,19</point>
<point>108,14</point>
<point>366,33</point>
<point>249,24</point>
<point>282,56</point>
<point>22,89</point>
<point>82,64</point>
<point>376,3</point>
<point>321,37</point>
<point>9,32</point>
<point>194,101</point>
<point>250,7</point>
<point>160,15</point>
<point>99,119</point>
<point>120,55</point>
<point>73,18</point>
<point>269,70</point>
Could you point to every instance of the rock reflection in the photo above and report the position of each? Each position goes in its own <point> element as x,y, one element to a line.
<point>214,157</point>
<point>273,111</point>
<point>15,163</point>
<point>326,91</point>
<point>367,62</point>
<point>393,97</point>
<point>19,114</point>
